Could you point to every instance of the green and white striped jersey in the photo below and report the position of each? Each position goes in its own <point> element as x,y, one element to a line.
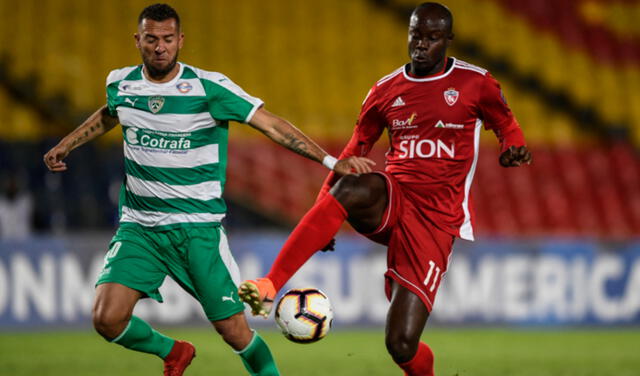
<point>175,144</point>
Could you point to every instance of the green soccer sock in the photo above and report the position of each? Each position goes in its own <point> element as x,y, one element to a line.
<point>140,336</point>
<point>257,358</point>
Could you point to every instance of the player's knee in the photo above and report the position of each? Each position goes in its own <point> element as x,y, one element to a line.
<point>347,185</point>
<point>354,191</point>
<point>401,347</point>
<point>234,331</point>
<point>108,322</point>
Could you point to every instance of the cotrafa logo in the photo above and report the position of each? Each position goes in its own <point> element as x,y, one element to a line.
<point>139,137</point>
<point>425,148</point>
<point>404,123</point>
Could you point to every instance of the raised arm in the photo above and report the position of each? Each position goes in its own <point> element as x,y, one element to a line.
<point>499,118</point>
<point>96,125</point>
<point>287,135</point>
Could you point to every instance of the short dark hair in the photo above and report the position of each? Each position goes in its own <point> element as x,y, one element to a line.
<point>159,12</point>
<point>440,10</point>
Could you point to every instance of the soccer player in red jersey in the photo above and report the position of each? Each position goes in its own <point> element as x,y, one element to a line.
<point>433,109</point>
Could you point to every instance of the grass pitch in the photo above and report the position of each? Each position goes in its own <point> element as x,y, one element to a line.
<point>458,352</point>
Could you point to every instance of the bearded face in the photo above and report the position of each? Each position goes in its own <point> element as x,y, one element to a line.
<point>159,43</point>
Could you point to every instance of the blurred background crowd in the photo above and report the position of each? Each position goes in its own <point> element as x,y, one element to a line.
<point>570,70</point>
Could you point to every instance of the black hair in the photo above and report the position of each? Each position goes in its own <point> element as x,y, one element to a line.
<point>440,9</point>
<point>159,12</point>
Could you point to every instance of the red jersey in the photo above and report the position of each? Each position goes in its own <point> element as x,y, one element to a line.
<point>434,130</point>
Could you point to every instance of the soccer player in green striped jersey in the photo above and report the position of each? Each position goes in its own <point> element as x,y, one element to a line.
<point>174,121</point>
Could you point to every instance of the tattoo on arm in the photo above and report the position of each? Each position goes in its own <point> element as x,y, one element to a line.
<point>297,145</point>
<point>87,134</point>
<point>97,124</point>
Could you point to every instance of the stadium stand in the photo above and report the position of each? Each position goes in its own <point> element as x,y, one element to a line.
<point>569,69</point>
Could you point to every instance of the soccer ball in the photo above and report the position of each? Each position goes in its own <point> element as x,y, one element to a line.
<point>304,315</point>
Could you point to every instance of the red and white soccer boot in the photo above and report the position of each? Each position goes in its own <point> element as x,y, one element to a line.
<point>259,294</point>
<point>179,358</point>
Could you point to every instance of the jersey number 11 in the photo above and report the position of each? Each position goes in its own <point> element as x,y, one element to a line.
<point>430,273</point>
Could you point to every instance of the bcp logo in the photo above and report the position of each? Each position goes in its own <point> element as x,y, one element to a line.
<point>425,148</point>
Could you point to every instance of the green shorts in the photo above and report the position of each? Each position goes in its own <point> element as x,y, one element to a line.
<point>197,258</point>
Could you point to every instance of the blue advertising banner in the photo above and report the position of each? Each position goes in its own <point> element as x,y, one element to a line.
<point>558,282</point>
<point>48,281</point>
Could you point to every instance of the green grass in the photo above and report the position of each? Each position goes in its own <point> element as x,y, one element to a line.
<point>458,352</point>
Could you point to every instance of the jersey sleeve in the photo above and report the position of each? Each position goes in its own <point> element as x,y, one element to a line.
<point>227,101</point>
<point>112,93</point>
<point>367,131</point>
<point>497,115</point>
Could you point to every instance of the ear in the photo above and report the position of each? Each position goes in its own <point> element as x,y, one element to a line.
<point>181,40</point>
<point>136,36</point>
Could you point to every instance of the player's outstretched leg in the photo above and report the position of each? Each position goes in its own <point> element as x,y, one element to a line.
<point>312,233</point>
<point>362,198</point>
<point>259,294</point>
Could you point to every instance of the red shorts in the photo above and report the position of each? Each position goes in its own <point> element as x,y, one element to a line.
<point>418,252</point>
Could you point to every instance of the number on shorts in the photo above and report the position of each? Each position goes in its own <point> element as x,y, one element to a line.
<point>432,267</point>
<point>113,251</point>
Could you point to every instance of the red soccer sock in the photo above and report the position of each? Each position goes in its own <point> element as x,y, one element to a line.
<point>421,364</point>
<point>314,231</point>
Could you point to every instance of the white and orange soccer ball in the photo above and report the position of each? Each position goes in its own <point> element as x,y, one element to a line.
<point>304,315</point>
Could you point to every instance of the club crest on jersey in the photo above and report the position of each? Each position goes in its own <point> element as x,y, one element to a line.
<point>184,87</point>
<point>451,96</point>
<point>155,103</point>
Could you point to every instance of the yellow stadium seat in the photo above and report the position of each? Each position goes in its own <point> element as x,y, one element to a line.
<point>311,63</point>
